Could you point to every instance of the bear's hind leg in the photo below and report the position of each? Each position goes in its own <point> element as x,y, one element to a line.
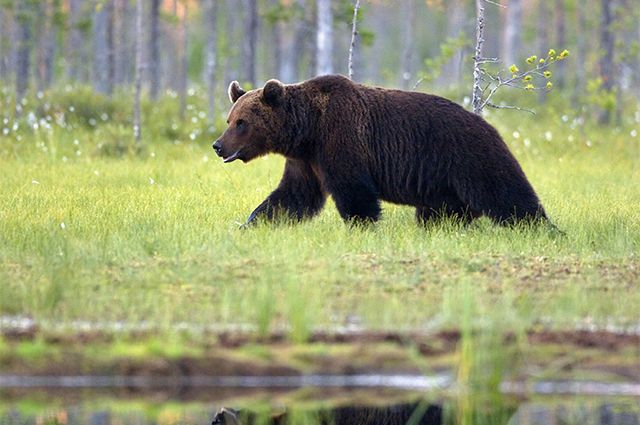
<point>442,206</point>
<point>506,201</point>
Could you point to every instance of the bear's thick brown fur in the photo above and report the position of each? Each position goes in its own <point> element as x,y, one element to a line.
<point>361,144</point>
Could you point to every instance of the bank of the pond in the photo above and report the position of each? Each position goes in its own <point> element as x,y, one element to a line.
<point>598,356</point>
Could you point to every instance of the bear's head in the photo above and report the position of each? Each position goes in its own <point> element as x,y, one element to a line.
<point>256,122</point>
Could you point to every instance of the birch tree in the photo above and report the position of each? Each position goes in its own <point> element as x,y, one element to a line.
<point>476,94</point>
<point>184,63</point>
<point>250,40</point>
<point>511,39</point>
<point>302,33</point>
<point>543,35</point>
<point>276,41</point>
<point>486,83</point>
<point>75,40</point>
<point>5,43</point>
<point>560,39</point>
<point>581,32</point>
<point>23,45</point>
<point>102,30</point>
<point>154,50</point>
<point>354,36</point>
<point>606,57</point>
<point>47,44</point>
<point>137,124</point>
<point>452,70</point>
<point>123,21</point>
<point>324,40</point>
<point>406,62</point>
<point>210,19</point>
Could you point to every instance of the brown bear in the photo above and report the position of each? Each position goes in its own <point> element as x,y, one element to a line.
<point>364,144</point>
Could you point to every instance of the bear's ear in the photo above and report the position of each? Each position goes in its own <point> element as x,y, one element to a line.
<point>273,92</point>
<point>235,91</point>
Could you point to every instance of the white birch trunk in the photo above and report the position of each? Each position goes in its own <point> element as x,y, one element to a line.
<point>452,70</point>
<point>324,39</point>
<point>250,40</point>
<point>23,46</point>
<point>154,50</point>
<point>184,63</point>
<point>559,74</point>
<point>354,35</point>
<point>607,45</point>
<point>511,39</point>
<point>476,95</point>
<point>406,62</point>
<point>211,13</point>
<point>137,125</point>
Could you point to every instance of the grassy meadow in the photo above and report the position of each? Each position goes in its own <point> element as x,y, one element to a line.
<point>94,229</point>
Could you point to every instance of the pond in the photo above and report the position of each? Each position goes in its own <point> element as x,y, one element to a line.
<point>321,400</point>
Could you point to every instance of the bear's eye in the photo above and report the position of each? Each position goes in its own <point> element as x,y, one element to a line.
<point>240,124</point>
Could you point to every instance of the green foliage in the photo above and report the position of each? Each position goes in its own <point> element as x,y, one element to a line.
<point>281,12</point>
<point>448,49</point>
<point>344,14</point>
<point>598,96</point>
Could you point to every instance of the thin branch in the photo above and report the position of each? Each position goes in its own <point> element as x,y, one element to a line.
<point>418,82</point>
<point>493,105</point>
<point>488,60</point>
<point>354,33</point>
<point>496,4</point>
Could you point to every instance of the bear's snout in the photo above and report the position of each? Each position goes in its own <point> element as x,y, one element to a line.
<point>217,146</point>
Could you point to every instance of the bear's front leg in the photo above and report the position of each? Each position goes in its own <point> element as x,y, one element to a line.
<point>299,195</point>
<point>356,199</point>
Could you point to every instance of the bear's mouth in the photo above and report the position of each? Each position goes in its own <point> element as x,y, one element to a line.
<point>232,157</point>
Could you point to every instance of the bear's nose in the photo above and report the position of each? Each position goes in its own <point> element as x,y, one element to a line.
<point>217,146</point>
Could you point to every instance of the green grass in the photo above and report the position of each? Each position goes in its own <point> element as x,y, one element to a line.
<point>93,231</point>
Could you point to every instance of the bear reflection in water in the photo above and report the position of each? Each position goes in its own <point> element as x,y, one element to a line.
<point>418,414</point>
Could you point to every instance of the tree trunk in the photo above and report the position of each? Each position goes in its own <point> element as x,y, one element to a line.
<point>102,47</point>
<point>293,59</point>
<point>353,51</point>
<point>543,38</point>
<point>607,57</point>
<point>250,40</point>
<point>46,41</point>
<point>275,42</point>
<point>171,68</point>
<point>406,62</point>
<point>561,42</point>
<point>581,54</point>
<point>154,50</point>
<point>75,40</point>
<point>476,95</point>
<point>5,44</point>
<point>311,40</point>
<point>511,39</point>
<point>137,125</point>
<point>111,47</point>
<point>211,14</point>
<point>452,70</point>
<point>23,43</point>
<point>122,42</point>
<point>324,38</point>
<point>229,27</point>
<point>184,63</point>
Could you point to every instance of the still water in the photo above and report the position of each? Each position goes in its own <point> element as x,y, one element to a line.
<point>304,406</point>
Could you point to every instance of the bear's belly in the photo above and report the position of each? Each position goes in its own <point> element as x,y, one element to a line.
<point>407,186</point>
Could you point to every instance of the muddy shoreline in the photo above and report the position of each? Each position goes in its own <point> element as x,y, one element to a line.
<point>614,356</point>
